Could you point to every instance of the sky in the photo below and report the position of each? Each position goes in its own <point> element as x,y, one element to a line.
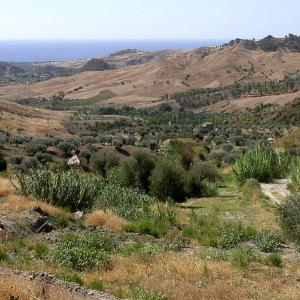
<point>147,19</point>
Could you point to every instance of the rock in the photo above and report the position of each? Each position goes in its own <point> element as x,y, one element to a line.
<point>37,219</point>
<point>78,215</point>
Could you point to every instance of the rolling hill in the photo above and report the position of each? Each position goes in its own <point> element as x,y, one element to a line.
<point>142,84</point>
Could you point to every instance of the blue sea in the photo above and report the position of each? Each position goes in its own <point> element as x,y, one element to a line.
<point>61,50</point>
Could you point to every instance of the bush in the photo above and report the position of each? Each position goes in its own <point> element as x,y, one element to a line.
<point>103,162</point>
<point>40,250</point>
<point>274,260</point>
<point>86,154</point>
<point>65,189</point>
<point>84,252</point>
<point>98,286</point>
<point>43,157</point>
<point>66,147</point>
<point>167,180</point>
<point>3,256</point>
<point>29,163</point>
<point>143,294</point>
<point>32,148</point>
<point>198,180</point>
<point>16,160</point>
<point>295,176</point>
<point>136,171</point>
<point>261,163</point>
<point>3,163</point>
<point>289,217</point>
<point>69,277</point>
<point>128,203</point>
<point>155,223</point>
<point>242,257</point>
<point>268,241</point>
<point>233,234</point>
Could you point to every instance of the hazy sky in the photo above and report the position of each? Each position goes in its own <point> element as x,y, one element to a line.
<point>148,19</point>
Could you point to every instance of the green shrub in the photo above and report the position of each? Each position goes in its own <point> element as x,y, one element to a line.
<point>66,147</point>
<point>103,162</point>
<point>289,217</point>
<point>3,163</point>
<point>268,241</point>
<point>147,227</point>
<point>16,160</point>
<point>204,228</point>
<point>70,277</point>
<point>29,163</point>
<point>144,294</point>
<point>261,163</point>
<point>295,176</point>
<point>128,203</point>
<point>32,148</point>
<point>43,157</point>
<point>84,252</point>
<point>136,171</point>
<point>167,180</point>
<point>274,259</point>
<point>86,154</point>
<point>242,257</point>
<point>233,234</point>
<point>60,222</point>
<point>156,222</point>
<point>176,244</point>
<point>40,250</point>
<point>96,285</point>
<point>3,256</point>
<point>65,189</point>
<point>200,180</point>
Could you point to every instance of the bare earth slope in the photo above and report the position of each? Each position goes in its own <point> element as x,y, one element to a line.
<point>142,85</point>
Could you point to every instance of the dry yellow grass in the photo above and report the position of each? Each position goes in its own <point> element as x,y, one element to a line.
<point>17,204</point>
<point>5,187</point>
<point>183,276</point>
<point>101,218</point>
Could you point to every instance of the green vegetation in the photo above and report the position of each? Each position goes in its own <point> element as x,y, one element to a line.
<point>195,98</point>
<point>81,252</point>
<point>3,163</point>
<point>274,259</point>
<point>289,212</point>
<point>270,43</point>
<point>268,241</point>
<point>262,163</point>
<point>66,189</point>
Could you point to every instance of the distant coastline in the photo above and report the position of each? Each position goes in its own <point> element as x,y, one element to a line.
<point>62,50</point>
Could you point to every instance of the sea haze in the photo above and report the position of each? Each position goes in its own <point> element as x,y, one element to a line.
<point>61,50</point>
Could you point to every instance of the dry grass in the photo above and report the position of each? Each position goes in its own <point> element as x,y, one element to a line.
<point>17,204</point>
<point>5,187</point>
<point>101,218</point>
<point>183,276</point>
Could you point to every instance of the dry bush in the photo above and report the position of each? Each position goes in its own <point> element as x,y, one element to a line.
<point>17,204</point>
<point>101,218</point>
<point>5,187</point>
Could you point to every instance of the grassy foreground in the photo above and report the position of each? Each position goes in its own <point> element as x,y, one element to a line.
<point>193,265</point>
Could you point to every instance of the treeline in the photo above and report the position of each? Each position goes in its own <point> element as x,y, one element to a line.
<point>195,98</point>
<point>270,43</point>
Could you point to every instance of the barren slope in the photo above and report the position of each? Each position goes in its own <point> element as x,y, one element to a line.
<point>16,118</point>
<point>140,85</point>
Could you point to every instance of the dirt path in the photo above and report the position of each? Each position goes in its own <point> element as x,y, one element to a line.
<point>276,190</point>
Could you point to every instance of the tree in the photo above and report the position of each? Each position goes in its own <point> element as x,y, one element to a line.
<point>167,180</point>
<point>137,170</point>
<point>103,162</point>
